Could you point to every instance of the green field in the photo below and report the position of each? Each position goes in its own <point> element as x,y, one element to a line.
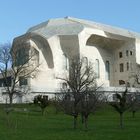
<point>103,125</point>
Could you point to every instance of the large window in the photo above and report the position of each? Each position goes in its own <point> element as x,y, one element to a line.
<point>127,52</point>
<point>35,54</point>
<point>6,82</point>
<point>97,68</point>
<point>127,66</point>
<point>107,70</point>
<point>23,81</point>
<point>131,53</point>
<point>65,62</point>
<point>22,56</point>
<point>121,67</point>
<point>120,55</point>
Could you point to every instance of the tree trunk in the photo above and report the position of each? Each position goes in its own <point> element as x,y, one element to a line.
<point>86,123</point>
<point>75,122</point>
<point>133,114</point>
<point>42,111</point>
<point>11,99</point>
<point>82,118</point>
<point>121,120</point>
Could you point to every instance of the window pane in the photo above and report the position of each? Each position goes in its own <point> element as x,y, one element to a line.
<point>97,68</point>
<point>127,66</point>
<point>120,54</point>
<point>126,52</point>
<point>6,82</point>
<point>22,56</point>
<point>121,67</point>
<point>36,56</point>
<point>65,62</point>
<point>107,69</point>
<point>22,81</point>
<point>121,82</point>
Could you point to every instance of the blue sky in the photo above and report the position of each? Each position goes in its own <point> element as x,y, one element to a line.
<point>16,16</point>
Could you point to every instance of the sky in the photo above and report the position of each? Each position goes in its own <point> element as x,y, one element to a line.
<point>17,16</point>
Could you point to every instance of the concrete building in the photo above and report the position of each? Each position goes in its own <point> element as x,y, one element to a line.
<point>114,52</point>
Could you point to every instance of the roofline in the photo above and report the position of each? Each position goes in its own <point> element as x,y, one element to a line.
<point>130,33</point>
<point>94,25</point>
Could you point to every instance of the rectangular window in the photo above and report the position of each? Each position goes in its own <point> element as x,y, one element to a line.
<point>131,52</point>
<point>121,82</point>
<point>97,68</point>
<point>23,81</point>
<point>120,54</point>
<point>127,52</point>
<point>65,62</point>
<point>107,70</point>
<point>121,67</point>
<point>6,82</point>
<point>1,82</point>
<point>127,66</point>
<point>22,56</point>
<point>36,56</point>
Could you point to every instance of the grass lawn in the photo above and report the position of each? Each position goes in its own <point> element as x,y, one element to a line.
<point>104,125</point>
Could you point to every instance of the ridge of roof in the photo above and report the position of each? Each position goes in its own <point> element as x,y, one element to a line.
<point>86,23</point>
<point>105,27</point>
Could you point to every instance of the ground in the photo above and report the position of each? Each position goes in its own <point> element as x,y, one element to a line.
<point>103,125</point>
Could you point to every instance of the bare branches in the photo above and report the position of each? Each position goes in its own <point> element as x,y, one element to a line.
<point>121,105</point>
<point>80,96</point>
<point>15,63</point>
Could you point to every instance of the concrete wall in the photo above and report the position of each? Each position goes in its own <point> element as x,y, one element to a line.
<point>48,77</point>
<point>97,45</point>
<point>131,59</point>
<point>137,41</point>
<point>91,43</point>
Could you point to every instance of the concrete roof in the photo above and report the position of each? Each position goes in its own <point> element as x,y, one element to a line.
<point>70,25</point>
<point>60,26</point>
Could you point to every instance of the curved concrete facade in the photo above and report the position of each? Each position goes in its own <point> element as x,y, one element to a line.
<point>58,40</point>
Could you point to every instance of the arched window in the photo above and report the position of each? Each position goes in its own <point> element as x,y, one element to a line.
<point>97,68</point>
<point>107,70</point>
<point>65,62</point>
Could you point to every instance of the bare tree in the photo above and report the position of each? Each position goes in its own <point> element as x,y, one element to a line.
<point>79,90</point>
<point>134,103</point>
<point>42,101</point>
<point>89,103</point>
<point>16,66</point>
<point>135,97</point>
<point>121,104</point>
